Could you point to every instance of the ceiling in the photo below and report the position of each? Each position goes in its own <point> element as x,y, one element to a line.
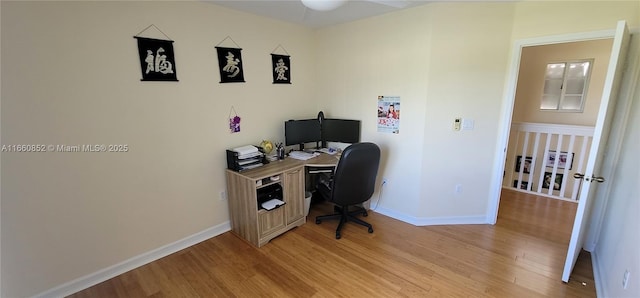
<point>293,11</point>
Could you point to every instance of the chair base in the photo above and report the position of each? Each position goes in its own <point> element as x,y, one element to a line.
<point>344,215</point>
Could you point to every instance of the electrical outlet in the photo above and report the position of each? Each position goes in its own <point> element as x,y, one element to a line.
<point>625,279</point>
<point>223,195</point>
<point>458,189</point>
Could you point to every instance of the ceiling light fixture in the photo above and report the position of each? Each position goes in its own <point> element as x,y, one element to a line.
<point>323,5</point>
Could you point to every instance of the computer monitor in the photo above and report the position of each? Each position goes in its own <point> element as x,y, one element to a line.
<point>299,132</point>
<point>340,130</point>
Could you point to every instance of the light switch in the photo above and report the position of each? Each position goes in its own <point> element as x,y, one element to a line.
<point>468,124</point>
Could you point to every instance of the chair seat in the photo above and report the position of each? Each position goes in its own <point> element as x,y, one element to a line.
<point>352,184</point>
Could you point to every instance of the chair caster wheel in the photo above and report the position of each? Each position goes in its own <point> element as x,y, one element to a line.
<point>318,221</point>
<point>338,236</point>
<point>370,230</point>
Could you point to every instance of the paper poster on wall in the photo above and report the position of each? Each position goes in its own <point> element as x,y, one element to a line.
<point>389,114</point>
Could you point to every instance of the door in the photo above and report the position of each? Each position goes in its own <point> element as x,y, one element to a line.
<point>600,136</point>
<point>294,194</point>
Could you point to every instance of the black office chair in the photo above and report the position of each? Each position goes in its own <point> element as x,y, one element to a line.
<point>352,184</point>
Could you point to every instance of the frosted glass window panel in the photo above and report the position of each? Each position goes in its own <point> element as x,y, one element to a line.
<point>571,102</point>
<point>555,71</point>
<point>550,102</point>
<point>553,86</point>
<point>578,70</point>
<point>574,87</point>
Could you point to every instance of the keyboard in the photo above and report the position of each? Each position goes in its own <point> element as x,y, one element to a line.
<point>301,155</point>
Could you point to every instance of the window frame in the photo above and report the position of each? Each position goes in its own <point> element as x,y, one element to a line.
<point>563,94</point>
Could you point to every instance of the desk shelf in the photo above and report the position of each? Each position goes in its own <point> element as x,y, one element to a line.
<point>264,182</point>
<point>254,224</point>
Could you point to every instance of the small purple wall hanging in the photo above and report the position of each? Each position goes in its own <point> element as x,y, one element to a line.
<point>234,122</point>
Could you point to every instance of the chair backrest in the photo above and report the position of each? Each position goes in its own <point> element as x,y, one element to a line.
<point>355,176</point>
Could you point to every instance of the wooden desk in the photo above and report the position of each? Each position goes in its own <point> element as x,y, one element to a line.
<point>256,225</point>
<point>323,160</point>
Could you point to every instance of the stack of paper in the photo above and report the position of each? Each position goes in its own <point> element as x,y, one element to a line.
<point>301,155</point>
<point>247,151</point>
<point>249,157</point>
<point>272,204</point>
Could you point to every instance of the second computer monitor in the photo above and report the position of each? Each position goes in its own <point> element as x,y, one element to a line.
<point>340,130</point>
<point>299,132</point>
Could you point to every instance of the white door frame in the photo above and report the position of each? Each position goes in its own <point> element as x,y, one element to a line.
<point>508,103</point>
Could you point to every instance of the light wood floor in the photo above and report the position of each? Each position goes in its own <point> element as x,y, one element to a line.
<point>521,256</point>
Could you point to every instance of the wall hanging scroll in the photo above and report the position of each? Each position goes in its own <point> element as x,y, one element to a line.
<point>281,67</point>
<point>230,63</point>
<point>157,59</point>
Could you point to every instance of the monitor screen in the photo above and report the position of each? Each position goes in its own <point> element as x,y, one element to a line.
<point>341,130</point>
<point>298,132</point>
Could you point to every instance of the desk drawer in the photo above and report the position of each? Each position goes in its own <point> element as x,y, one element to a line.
<point>270,221</point>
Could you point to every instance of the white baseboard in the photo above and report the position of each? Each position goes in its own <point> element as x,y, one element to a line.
<point>589,246</point>
<point>597,275</point>
<point>433,221</point>
<point>135,262</point>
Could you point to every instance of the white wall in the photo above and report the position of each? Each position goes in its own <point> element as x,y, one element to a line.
<point>386,56</point>
<point>544,18</point>
<point>71,75</point>
<point>440,61</point>
<point>469,61</point>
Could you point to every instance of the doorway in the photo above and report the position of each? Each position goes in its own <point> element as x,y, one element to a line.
<point>591,176</point>
<point>537,134</point>
<point>547,147</point>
